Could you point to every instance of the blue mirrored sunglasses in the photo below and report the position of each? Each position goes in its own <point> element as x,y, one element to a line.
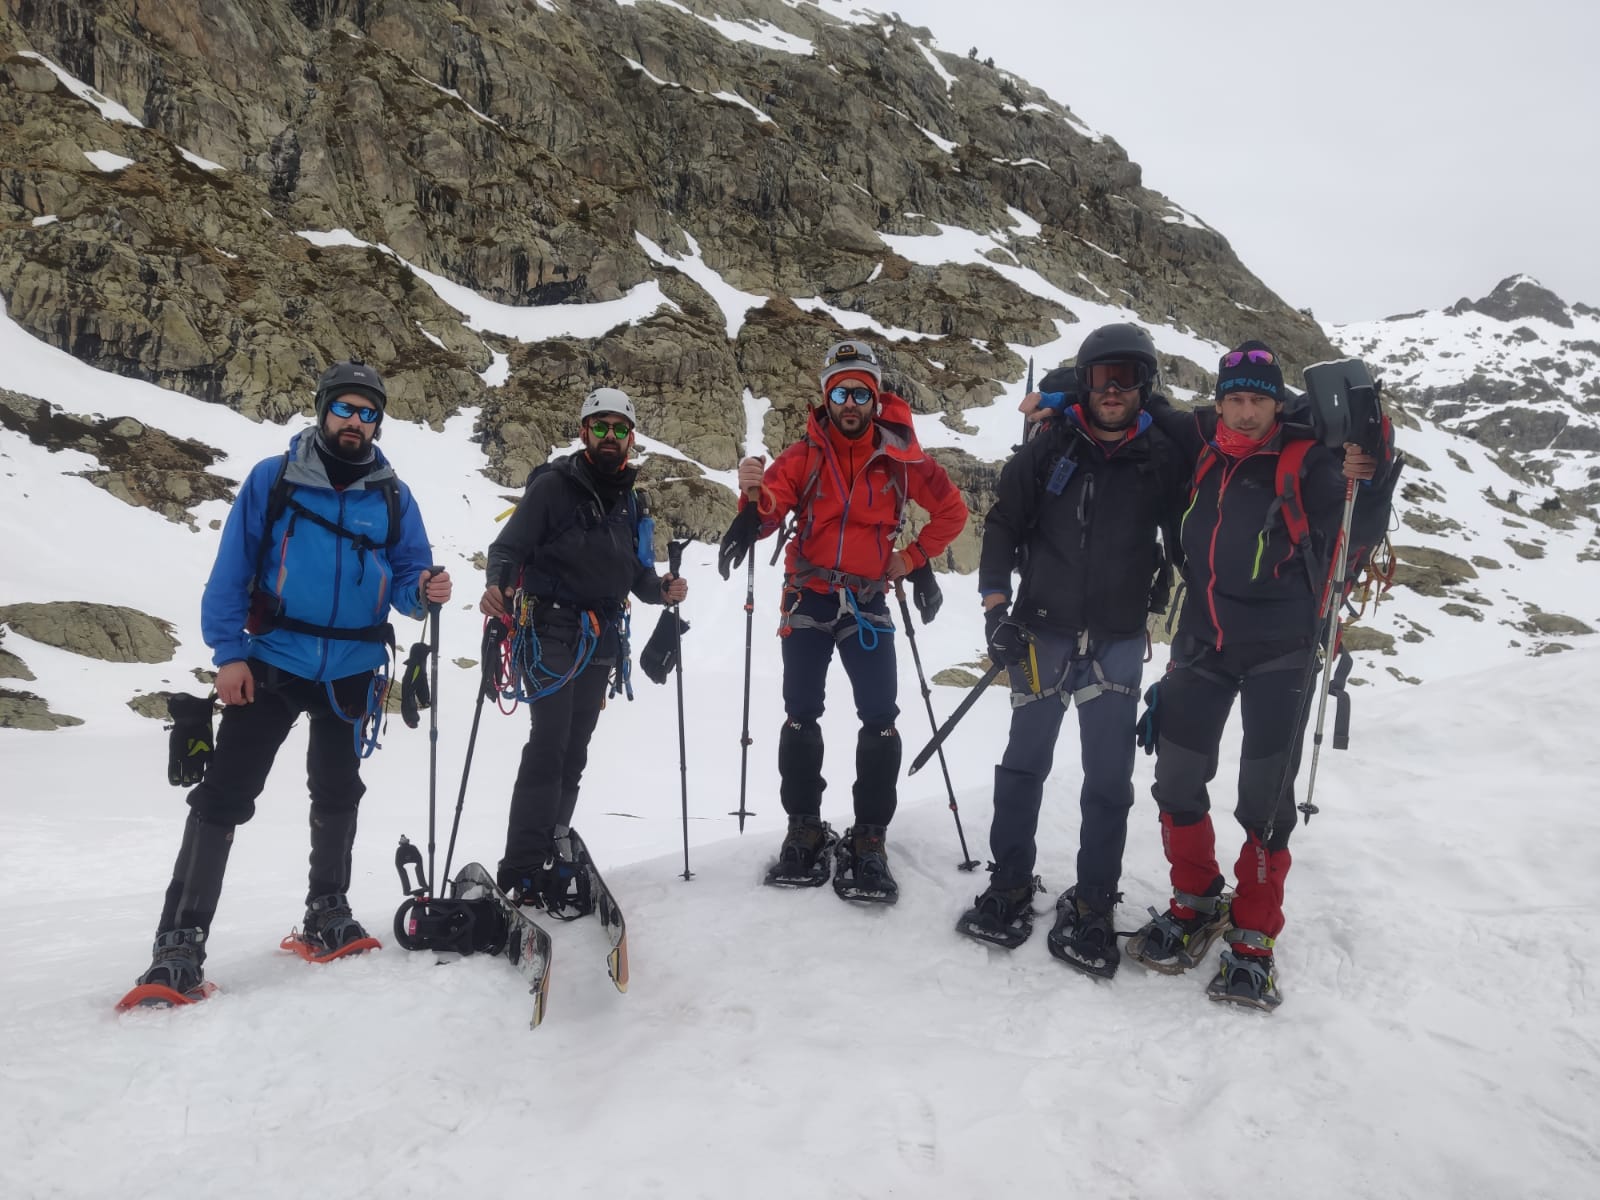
<point>344,410</point>
<point>859,396</point>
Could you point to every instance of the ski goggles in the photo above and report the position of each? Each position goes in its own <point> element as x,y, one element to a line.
<point>859,396</point>
<point>1125,376</point>
<point>617,429</point>
<point>1234,357</point>
<point>344,410</point>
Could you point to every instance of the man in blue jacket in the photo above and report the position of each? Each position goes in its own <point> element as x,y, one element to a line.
<point>321,542</point>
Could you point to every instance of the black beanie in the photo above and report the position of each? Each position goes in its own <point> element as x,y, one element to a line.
<point>1265,378</point>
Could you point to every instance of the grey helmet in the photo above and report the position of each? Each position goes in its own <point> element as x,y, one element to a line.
<point>1118,343</point>
<point>851,356</point>
<point>609,400</point>
<point>352,376</point>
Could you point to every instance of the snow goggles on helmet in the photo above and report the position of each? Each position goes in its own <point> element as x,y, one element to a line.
<point>344,410</point>
<point>859,396</point>
<point>617,429</point>
<point>1125,375</point>
<point>1234,357</point>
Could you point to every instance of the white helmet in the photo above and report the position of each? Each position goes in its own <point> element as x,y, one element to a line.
<point>608,400</point>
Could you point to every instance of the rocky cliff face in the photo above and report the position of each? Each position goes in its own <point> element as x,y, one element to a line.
<point>564,158</point>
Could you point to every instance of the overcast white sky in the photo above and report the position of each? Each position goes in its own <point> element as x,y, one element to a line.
<point>1363,157</point>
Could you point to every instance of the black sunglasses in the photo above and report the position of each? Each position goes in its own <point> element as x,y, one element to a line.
<point>617,429</point>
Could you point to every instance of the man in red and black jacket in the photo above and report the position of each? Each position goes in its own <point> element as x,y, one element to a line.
<point>1249,629</point>
<point>846,484</point>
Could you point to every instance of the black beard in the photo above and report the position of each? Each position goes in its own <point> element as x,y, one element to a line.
<point>1127,422</point>
<point>608,453</point>
<point>337,447</point>
<point>866,424</point>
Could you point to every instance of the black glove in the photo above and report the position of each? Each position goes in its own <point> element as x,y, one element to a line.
<point>189,747</point>
<point>925,591</point>
<point>414,690</point>
<point>660,654</point>
<point>494,636</point>
<point>739,540</point>
<point>1008,640</point>
<point>1148,730</point>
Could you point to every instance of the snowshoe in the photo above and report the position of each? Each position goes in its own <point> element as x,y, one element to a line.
<point>176,975</point>
<point>1083,936</point>
<point>558,884</point>
<point>1002,916</point>
<point>1246,979</point>
<point>806,857</point>
<point>329,931</point>
<point>861,867</point>
<point>1172,944</point>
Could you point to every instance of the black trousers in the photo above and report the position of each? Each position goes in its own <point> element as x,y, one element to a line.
<point>1197,695</point>
<point>248,739</point>
<point>560,726</point>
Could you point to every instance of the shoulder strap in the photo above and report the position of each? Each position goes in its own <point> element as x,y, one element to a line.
<point>277,501</point>
<point>1291,463</point>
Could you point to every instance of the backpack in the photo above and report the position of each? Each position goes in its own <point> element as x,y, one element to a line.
<point>280,499</point>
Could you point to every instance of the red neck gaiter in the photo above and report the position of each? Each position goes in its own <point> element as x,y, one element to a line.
<point>1237,445</point>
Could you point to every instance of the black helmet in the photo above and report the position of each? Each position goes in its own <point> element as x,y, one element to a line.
<point>1118,343</point>
<point>352,376</point>
<point>851,356</point>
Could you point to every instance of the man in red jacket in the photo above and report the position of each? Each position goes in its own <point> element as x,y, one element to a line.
<point>846,484</point>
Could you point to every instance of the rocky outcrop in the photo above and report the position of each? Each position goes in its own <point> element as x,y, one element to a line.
<point>107,632</point>
<point>24,710</point>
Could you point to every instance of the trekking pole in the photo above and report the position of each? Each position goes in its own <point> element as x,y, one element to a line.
<point>674,561</point>
<point>494,633</point>
<point>744,737</point>
<point>967,863</point>
<point>433,729</point>
<point>1331,639</point>
<point>954,719</point>
<point>1027,390</point>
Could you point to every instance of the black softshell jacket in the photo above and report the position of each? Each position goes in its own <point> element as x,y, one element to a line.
<point>1090,555</point>
<point>572,540</point>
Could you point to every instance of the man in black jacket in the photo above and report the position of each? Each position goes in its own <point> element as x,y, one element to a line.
<point>1249,630</point>
<point>1082,503</point>
<point>559,576</point>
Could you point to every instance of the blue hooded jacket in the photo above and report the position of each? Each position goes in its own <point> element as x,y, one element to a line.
<point>310,573</point>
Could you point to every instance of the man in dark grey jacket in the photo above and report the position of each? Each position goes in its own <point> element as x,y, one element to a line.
<point>559,576</point>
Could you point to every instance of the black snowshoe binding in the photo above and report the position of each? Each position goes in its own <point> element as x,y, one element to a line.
<point>1172,944</point>
<point>177,962</point>
<point>1083,936</point>
<point>559,885</point>
<point>806,857</point>
<point>1247,979</point>
<point>861,867</point>
<point>1002,916</point>
<point>329,925</point>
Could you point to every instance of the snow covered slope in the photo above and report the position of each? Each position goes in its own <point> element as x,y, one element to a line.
<point>1519,369</point>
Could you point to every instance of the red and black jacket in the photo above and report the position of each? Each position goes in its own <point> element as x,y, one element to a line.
<point>1247,578</point>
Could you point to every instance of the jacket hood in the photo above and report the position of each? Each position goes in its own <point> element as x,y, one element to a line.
<point>893,424</point>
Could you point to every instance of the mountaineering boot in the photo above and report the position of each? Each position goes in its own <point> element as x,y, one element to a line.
<point>1180,938</point>
<point>1003,915</point>
<point>1083,936</point>
<point>861,870</point>
<point>1247,979</point>
<point>804,860</point>
<point>176,974</point>
<point>329,931</point>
